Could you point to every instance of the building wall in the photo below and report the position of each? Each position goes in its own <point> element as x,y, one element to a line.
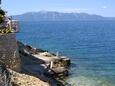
<point>9,54</point>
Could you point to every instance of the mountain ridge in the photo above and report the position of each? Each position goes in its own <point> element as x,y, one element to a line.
<point>58,16</point>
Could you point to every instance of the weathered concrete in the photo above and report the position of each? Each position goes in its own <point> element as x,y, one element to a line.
<point>51,61</point>
<point>38,66</point>
<point>9,51</point>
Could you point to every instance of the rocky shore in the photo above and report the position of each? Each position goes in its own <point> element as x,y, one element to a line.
<point>20,79</point>
<point>38,68</point>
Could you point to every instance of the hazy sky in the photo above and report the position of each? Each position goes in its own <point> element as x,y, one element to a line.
<point>100,7</point>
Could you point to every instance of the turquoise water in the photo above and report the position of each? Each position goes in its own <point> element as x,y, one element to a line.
<point>89,44</point>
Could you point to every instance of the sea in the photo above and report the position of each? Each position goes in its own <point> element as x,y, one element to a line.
<point>89,44</point>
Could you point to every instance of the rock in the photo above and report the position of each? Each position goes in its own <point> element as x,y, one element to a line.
<point>19,79</point>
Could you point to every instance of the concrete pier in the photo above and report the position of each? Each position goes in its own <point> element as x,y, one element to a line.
<point>58,65</point>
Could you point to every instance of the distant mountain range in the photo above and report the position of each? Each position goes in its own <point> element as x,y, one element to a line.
<point>58,16</point>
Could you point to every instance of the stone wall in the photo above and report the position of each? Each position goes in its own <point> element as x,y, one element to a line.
<point>9,51</point>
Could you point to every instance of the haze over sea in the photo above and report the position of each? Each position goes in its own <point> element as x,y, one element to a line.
<point>89,44</point>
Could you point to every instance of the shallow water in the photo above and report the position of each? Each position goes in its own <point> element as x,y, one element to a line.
<point>89,44</point>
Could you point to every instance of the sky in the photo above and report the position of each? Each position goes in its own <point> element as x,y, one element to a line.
<point>99,7</point>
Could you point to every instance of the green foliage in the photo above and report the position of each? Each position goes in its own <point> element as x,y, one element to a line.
<point>1,18</point>
<point>2,13</point>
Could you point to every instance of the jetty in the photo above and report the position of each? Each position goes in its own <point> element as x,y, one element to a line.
<point>41,62</point>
